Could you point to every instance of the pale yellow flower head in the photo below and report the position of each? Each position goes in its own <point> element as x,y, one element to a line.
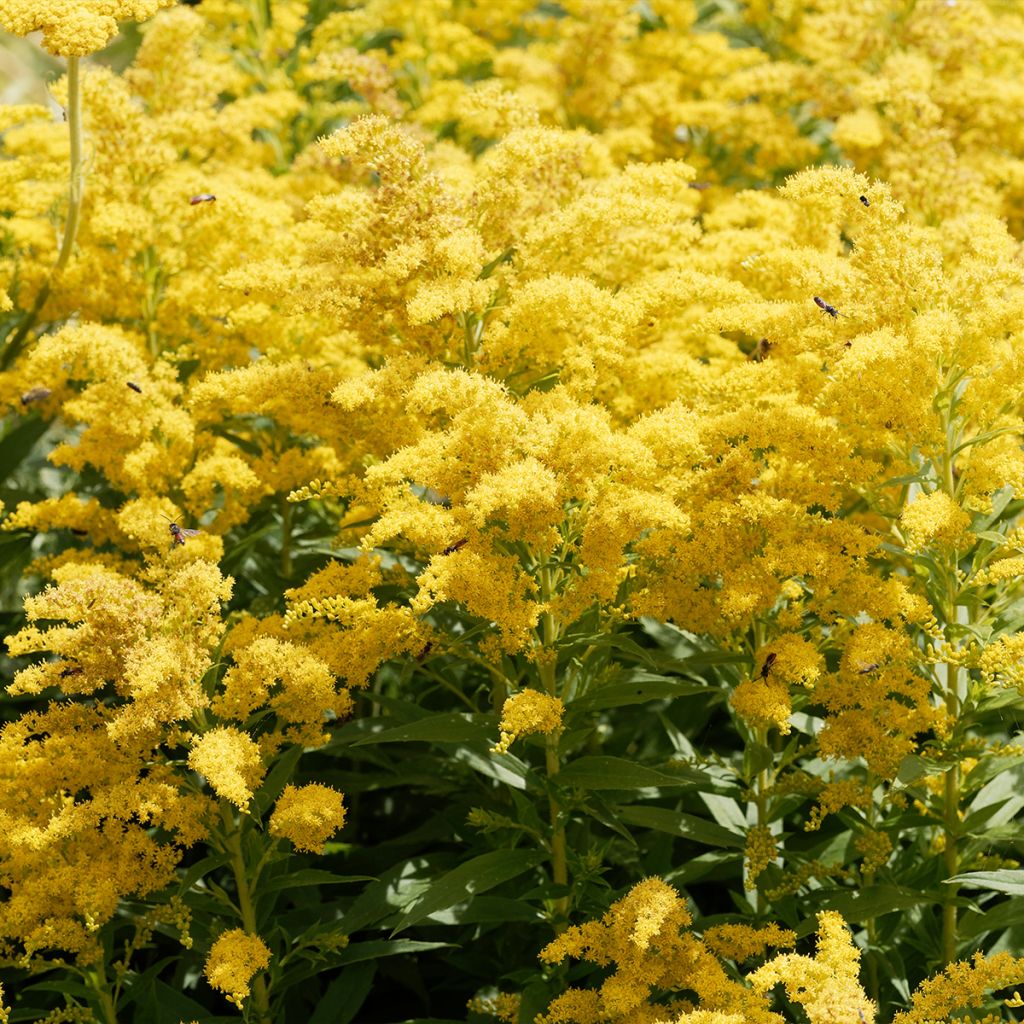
<point>527,712</point>
<point>233,961</point>
<point>74,28</point>
<point>231,763</point>
<point>308,816</point>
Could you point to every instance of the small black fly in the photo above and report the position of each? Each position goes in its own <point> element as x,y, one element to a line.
<point>831,310</point>
<point>767,666</point>
<point>864,200</point>
<point>135,387</point>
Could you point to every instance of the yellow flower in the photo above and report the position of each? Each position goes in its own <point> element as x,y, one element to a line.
<point>235,958</point>
<point>291,680</point>
<point>934,519</point>
<point>526,712</point>
<point>74,28</point>
<point>743,941</point>
<point>644,935</point>
<point>230,761</point>
<point>308,816</point>
<point>826,985</point>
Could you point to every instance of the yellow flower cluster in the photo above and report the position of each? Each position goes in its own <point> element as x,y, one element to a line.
<point>307,816</point>
<point>234,959</point>
<point>644,936</point>
<point>934,519</point>
<point>528,712</point>
<point>74,27</point>
<point>488,332</point>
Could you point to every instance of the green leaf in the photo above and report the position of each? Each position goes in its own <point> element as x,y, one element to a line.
<point>169,1006</point>
<point>498,910</point>
<point>506,769</point>
<point>911,769</point>
<point>875,901</point>
<point>475,876</point>
<point>345,995</point>
<point>1008,881</point>
<point>443,728</point>
<point>618,773</point>
<point>202,868</point>
<point>70,986</point>
<point>136,985</point>
<point>992,536</point>
<point>642,688</point>
<point>278,778</point>
<point>310,876</point>
<point>726,811</point>
<point>17,444</point>
<point>361,951</point>
<point>1000,499</point>
<point>696,868</point>
<point>1005,914</point>
<point>678,823</point>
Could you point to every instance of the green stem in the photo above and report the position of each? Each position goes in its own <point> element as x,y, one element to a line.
<point>548,677</point>
<point>286,537</point>
<point>97,981</point>
<point>951,782</point>
<point>76,189</point>
<point>76,184</point>
<point>761,803</point>
<point>871,924</point>
<point>233,844</point>
<point>951,857</point>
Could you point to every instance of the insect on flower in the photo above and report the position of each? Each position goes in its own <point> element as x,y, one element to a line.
<point>864,200</point>
<point>761,351</point>
<point>767,666</point>
<point>452,548</point>
<point>203,197</point>
<point>35,395</point>
<point>427,648</point>
<point>831,310</point>
<point>135,387</point>
<point>179,533</point>
<point>868,668</point>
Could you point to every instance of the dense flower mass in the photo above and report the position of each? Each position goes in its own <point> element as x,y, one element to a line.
<point>494,479</point>
<point>234,958</point>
